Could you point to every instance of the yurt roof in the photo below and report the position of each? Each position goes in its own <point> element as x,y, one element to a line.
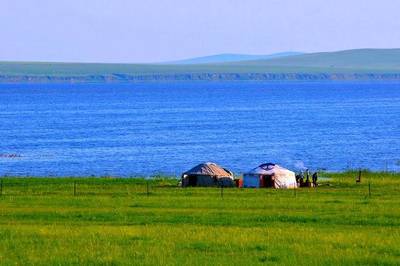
<point>209,168</point>
<point>267,169</point>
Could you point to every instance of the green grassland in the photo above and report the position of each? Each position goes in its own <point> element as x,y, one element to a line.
<point>350,61</point>
<point>114,221</point>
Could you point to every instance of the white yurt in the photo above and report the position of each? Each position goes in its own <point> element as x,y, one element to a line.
<point>270,175</point>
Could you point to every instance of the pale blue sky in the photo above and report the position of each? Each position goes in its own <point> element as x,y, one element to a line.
<point>151,30</point>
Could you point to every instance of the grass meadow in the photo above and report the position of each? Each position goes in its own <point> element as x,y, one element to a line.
<point>115,221</point>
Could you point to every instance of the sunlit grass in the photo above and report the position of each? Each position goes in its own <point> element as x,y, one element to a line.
<point>120,221</point>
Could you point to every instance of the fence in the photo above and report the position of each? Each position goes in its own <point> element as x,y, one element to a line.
<point>112,187</point>
<point>134,187</point>
<point>73,187</point>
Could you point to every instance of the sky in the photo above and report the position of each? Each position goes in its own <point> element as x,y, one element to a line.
<point>129,31</point>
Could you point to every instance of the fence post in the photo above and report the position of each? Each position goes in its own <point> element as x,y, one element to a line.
<point>369,189</point>
<point>147,188</point>
<point>358,180</point>
<point>74,187</point>
<point>1,187</point>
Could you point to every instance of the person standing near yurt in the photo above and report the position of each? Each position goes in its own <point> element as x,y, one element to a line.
<point>315,178</point>
<point>308,183</point>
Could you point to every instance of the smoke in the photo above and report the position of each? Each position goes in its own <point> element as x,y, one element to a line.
<point>300,165</point>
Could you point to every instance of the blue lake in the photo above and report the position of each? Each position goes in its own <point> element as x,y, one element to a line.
<point>154,128</point>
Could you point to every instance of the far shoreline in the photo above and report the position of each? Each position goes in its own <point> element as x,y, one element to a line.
<point>348,172</point>
<point>141,82</point>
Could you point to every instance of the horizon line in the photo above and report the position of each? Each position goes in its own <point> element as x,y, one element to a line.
<point>184,59</point>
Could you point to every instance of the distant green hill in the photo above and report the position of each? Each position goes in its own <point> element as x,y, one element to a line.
<point>363,59</point>
<point>225,58</point>
<point>362,64</point>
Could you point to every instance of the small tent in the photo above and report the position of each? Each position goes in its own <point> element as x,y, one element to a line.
<point>207,175</point>
<point>270,175</point>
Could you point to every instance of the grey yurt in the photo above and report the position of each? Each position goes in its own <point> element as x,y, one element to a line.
<point>207,175</point>
<point>270,175</point>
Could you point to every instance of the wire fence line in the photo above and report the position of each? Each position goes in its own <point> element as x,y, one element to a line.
<point>75,187</point>
<point>146,188</point>
<point>23,187</point>
<point>9,187</point>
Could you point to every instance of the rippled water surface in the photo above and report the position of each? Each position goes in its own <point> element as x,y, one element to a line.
<point>150,128</point>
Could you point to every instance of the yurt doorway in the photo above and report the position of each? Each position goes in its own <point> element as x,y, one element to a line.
<point>267,181</point>
<point>192,180</point>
